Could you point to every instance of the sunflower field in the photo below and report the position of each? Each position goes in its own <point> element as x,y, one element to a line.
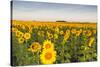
<point>34,43</point>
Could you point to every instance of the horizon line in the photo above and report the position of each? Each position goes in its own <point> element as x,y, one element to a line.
<point>55,21</point>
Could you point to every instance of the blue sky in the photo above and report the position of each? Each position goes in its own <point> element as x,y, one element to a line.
<point>42,11</point>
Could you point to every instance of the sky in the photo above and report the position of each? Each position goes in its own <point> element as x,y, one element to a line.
<point>42,11</point>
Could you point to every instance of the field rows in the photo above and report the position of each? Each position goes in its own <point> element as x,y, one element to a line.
<point>53,42</point>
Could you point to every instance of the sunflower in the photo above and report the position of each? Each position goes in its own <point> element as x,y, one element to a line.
<point>61,32</point>
<point>89,33</point>
<point>66,36</point>
<point>68,31</point>
<point>55,36</point>
<point>91,41</point>
<point>27,36</point>
<point>14,29</point>
<point>84,32</point>
<point>48,45</point>
<point>19,34</point>
<point>20,40</point>
<point>30,28</point>
<point>48,56</point>
<point>50,36</point>
<point>73,31</point>
<point>41,33</point>
<point>57,30</point>
<point>35,46</point>
<point>94,31</point>
<point>23,27</point>
<point>78,32</point>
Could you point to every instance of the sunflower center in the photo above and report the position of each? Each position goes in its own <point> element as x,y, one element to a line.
<point>51,35</point>
<point>48,56</point>
<point>21,39</point>
<point>34,47</point>
<point>17,33</point>
<point>48,46</point>
<point>27,35</point>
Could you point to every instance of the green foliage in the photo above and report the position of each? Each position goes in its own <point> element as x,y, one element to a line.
<point>75,49</point>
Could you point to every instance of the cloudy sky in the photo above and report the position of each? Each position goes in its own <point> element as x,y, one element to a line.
<point>41,11</point>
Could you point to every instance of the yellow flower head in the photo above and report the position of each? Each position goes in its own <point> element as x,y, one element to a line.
<point>30,28</point>
<point>91,41</point>
<point>27,35</point>
<point>78,33</point>
<point>19,34</point>
<point>20,40</point>
<point>94,31</point>
<point>61,32</point>
<point>67,31</point>
<point>55,36</point>
<point>35,46</point>
<point>41,33</point>
<point>66,36</point>
<point>73,31</point>
<point>50,36</point>
<point>23,26</point>
<point>80,30</point>
<point>48,57</point>
<point>48,45</point>
<point>84,32</point>
<point>57,30</point>
<point>87,32</point>
<point>14,29</point>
